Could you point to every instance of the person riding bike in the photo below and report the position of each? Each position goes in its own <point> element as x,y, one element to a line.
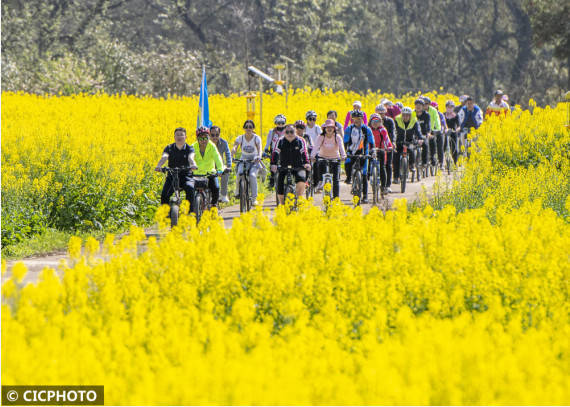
<point>452,123</point>
<point>407,131</point>
<point>390,126</point>
<point>498,105</point>
<point>290,150</point>
<point>470,115</point>
<point>436,139</point>
<point>272,137</point>
<point>356,106</point>
<point>300,127</point>
<point>250,144</point>
<point>224,150</point>
<point>208,161</point>
<point>440,139</point>
<point>313,130</point>
<point>179,154</point>
<point>382,140</point>
<point>424,121</point>
<point>330,145</point>
<point>358,139</point>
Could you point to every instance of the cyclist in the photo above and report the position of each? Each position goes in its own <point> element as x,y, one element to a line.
<point>440,140</point>
<point>423,119</point>
<point>250,144</point>
<point>436,138</point>
<point>452,123</point>
<point>208,161</point>
<point>178,154</point>
<point>332,114</point>
<point>330,145</point>
<point>224,150</point>
<point>470,115</point>
<point>462,101</point>
<point>382,140</point>
<point>407,131</point>
<point>290,150</point>
<point>357,106</point>
<point>498,105</point>
<point>314,131</point>
<point>300,127</point>
<point>272,137</point>
<point>390,125</point>
<point>358,139</point>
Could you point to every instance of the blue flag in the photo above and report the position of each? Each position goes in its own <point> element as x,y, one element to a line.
<point>204,109</point>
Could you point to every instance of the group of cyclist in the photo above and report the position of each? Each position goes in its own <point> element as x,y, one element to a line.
<point>307,147</point>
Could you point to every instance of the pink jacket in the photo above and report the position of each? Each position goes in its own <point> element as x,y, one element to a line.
<point>348,119</point>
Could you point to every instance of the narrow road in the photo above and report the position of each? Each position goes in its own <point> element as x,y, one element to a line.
<point>413,190</point>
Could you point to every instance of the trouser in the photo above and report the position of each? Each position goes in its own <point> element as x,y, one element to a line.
<point>436,144</point>
<point>364,165</point>
<point>214,187</point>
<point>335,171</point>
<point>390,157</point>
<point>316,174</point>
<point>186,183</point>
<point>224,183</point>
<point>425,152</point>
<point>253,172</point>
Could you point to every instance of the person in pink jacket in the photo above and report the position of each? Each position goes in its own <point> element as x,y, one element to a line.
<point>329,145</point>
<point>357,106</point>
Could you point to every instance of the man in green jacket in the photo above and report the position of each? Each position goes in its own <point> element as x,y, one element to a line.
<point>208,161</point>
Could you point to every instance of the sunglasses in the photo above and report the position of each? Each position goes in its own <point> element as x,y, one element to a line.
<point>248,127</point>
<point>299,127</point>
<point>312,119</point>
<point>280,123</point>
<point>376,120</point>
<point>289,132</point>
<point>202,138</point>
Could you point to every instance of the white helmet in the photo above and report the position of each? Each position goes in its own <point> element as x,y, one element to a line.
<point>407,110</point>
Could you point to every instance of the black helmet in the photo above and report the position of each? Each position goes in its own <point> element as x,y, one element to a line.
<point>357,113</point>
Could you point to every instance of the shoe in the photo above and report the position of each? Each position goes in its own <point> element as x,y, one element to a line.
<point>396,181</point>
<point>224,199</point>
<point>254,202</point>
<point>364,200</point>
<point>347,181</point>
<point>319,187</point>
<point>388,190</point>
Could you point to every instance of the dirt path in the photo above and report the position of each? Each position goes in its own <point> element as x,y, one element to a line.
<point>36,264</point>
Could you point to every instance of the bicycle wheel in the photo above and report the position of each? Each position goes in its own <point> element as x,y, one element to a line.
<point>198,206</point>
<point>243,196</point>
<point>375,186</point>
<point>357,186</point>
<point>174,212</point>
<point>403,174</point>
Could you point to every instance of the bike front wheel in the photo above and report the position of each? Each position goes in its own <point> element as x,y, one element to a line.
<point>198,206</point>
<point>244,203</point>
<point>357,185</point>
<point>174,214</point>
<point>375,186</point>
<point>403,174</point>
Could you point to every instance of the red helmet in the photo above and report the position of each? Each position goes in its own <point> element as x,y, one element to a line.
<point>202,130</point>
<point>300,123</point>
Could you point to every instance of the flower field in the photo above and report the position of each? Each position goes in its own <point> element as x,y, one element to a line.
<point>84,163</point>
<point>464,300</point>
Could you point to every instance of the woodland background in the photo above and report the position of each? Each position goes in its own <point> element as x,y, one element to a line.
<point>157,47</point>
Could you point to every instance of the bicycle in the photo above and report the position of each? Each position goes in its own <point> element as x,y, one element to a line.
<point>175,199</point>
<point>309,187</point>
<point>328,176</point>
<point>378,193</point>
<point>202,194</point>
<point>404,165</point>
<point>289,186</point>
<point>357,178</point>
<point>245,200</point>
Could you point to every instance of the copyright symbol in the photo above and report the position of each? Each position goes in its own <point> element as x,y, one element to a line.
<point>12,395</point>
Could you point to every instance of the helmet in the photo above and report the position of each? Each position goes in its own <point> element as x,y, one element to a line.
<point>311,113</point>
<point>356,113</point>
<point>381,109</point>
<point>427,100</point>
<point>407,110</point>
<point>300,123</point>
<point>202,130</point>
<point>375,116</point>
<point>400,105</point>
<point>449,103</point>
<point>463,98</point>
<point>419,101</point>
<point>280,120</point>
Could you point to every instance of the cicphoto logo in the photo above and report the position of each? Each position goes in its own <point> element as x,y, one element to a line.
<point>53,395</point>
